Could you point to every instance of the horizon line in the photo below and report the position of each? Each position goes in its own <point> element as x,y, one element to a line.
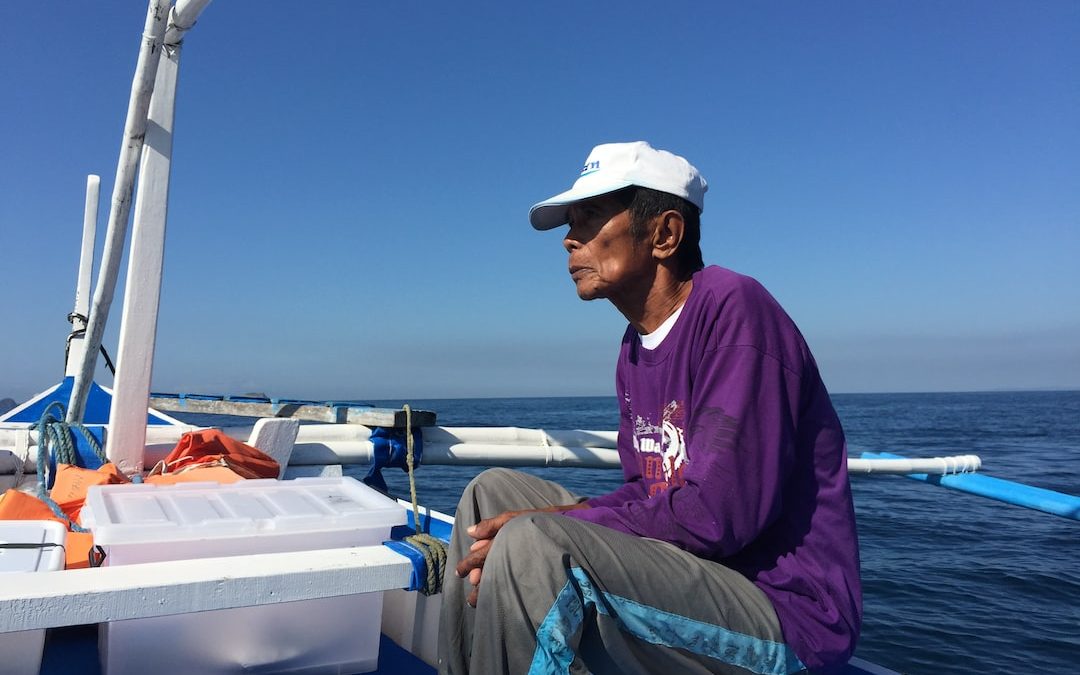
<point>1033,390</point>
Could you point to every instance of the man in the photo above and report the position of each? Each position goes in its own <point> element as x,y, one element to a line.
<point>731,545</point>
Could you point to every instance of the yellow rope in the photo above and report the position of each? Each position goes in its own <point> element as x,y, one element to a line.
<point>433,549</point>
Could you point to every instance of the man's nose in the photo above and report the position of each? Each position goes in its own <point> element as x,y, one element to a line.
<point>570,241</point>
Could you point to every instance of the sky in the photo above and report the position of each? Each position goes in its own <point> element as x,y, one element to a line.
<point>351,182</point>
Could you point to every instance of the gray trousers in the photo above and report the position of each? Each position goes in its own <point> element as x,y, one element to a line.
<point>559,595</point>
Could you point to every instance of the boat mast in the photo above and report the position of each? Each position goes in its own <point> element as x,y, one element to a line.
<point>134,131</point>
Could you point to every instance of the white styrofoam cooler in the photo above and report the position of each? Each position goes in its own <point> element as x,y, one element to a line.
<point>20,652</point>
<point>150,523</point>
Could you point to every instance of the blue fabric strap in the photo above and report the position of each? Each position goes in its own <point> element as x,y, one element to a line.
<point>389,450</point>
<point>554,653</point>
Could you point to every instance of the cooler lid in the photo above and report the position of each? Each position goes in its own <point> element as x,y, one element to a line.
<point>121,514</point>
<point>32,545</point>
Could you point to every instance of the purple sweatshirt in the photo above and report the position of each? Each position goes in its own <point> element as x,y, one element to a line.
<point>731,450</point>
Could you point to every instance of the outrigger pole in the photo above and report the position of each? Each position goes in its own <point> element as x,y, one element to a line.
<point>148,134</point>
<point>1010,492</point>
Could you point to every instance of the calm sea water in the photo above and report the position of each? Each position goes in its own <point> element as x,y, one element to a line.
<point>953,583</point>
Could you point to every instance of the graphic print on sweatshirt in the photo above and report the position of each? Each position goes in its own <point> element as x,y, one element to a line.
<point>661,447</point>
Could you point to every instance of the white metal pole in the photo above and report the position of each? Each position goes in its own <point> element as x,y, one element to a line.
<point>134,130</point>
<point>86,267</point>
<point>182,18</point>
<point>86,258</point>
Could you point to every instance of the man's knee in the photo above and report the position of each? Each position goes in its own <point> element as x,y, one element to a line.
<point>526,539</point>
<point>489,477</point>
<point>487,480</point>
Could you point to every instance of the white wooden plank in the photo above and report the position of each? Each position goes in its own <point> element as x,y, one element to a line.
<point>275,437</point>
<point>314,471</point>
<point>138,327</point>
<point>34,600</point>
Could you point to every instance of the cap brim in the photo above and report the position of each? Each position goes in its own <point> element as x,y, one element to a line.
<point>554,212</point>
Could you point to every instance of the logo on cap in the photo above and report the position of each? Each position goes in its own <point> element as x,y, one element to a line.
<point>591,167</point>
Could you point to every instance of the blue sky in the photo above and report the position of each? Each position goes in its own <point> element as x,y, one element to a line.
<point>351,182</point>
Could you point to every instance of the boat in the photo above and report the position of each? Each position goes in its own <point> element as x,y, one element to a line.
<point>136,430</point>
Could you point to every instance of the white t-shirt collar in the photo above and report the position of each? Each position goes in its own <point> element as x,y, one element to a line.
<point>653,339</point>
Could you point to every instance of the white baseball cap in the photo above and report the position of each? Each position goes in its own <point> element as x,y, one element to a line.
<point>614,166</point>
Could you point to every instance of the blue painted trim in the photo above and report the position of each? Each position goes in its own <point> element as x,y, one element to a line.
<point>98,405</point>
<point>347,404</point>
<point>393,660</point>
<point>432,525</point>
<point>419,565</point>
<point>1010,492</point>
<point>435,527</point>
<point>298,401</point>
<point>262,399</point>
<point>554,654</point>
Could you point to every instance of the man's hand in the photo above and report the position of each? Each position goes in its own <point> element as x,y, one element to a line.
<point>484,532</point>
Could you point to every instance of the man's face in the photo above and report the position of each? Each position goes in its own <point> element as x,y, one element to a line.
<point>605,260</point>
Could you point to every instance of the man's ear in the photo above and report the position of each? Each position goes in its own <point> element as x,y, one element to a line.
<point>667,234</point>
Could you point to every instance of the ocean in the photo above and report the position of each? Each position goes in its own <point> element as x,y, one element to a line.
<point>953,583</point>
